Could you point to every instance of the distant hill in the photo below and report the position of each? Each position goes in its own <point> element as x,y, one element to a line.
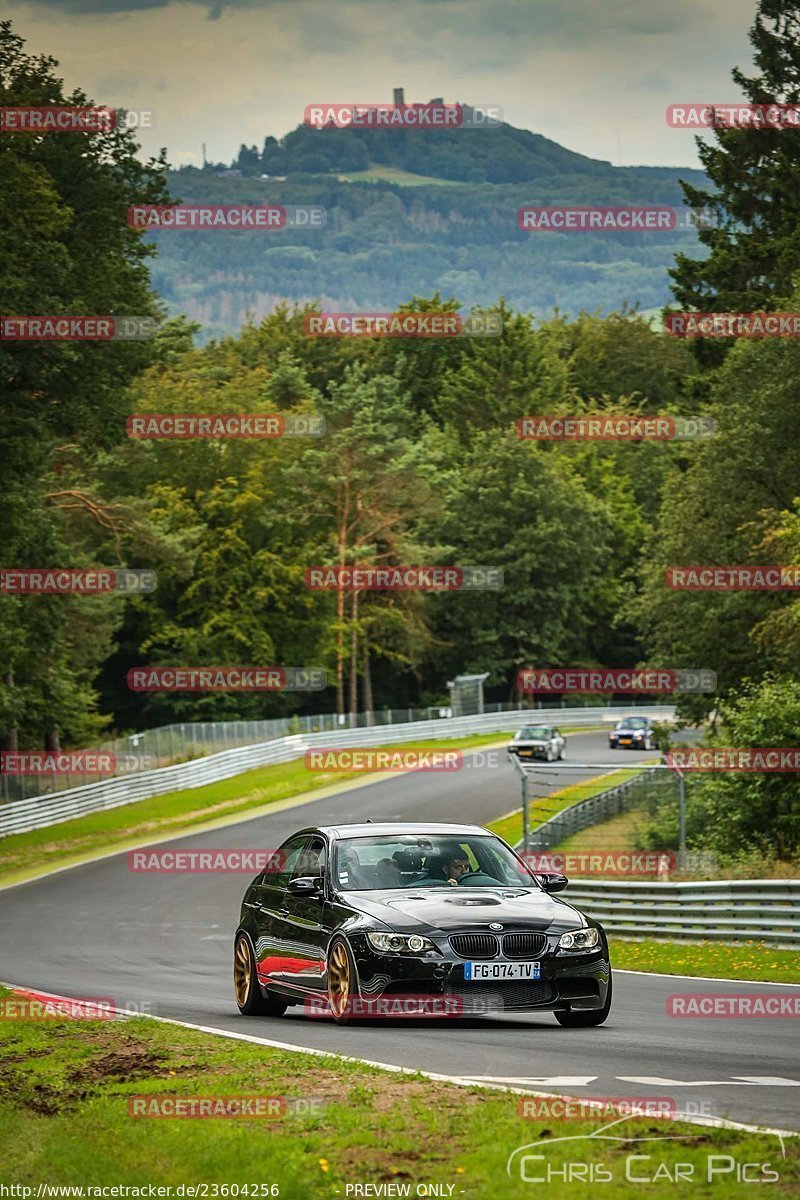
<point>394,231</point>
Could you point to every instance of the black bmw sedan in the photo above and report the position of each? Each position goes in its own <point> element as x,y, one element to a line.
<point>397,919</point>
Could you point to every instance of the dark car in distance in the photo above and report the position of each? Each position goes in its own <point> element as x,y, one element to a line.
<point>350,917</point>
<point>632,733</point>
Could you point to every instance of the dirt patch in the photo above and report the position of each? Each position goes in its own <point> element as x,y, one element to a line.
<point>18,1058</point>
<point>390,1091</point>
<point>122,1068</point>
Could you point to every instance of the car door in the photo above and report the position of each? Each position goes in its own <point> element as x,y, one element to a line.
<point>266,900</point>
<point>302,922</point>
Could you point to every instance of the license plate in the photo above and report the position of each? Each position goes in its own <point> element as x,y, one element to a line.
<point>624,741</point>
<point>525,753</point>
<point>474,971</point>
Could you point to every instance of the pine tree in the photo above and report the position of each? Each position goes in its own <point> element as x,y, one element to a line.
<point>754,252</point>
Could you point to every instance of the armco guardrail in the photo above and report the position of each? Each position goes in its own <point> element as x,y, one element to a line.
<point>167,745</point>
<point>18,816</point>
<point>726,910</point>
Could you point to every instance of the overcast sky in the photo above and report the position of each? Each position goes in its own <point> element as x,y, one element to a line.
<point>594,75</point>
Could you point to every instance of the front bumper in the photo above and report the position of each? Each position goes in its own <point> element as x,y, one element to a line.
<point>538,752</point>
<point>574,981</point>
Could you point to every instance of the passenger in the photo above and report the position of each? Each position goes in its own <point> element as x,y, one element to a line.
<point>350,869</point>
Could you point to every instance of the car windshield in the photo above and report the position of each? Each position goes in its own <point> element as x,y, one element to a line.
<point>411,860</point>
<point>534,731</point>
<point>632,723</point>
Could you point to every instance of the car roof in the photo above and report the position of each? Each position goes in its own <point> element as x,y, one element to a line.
<point>373,828</point>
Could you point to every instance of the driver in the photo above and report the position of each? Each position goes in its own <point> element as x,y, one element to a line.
<point>456,864</point>
<point>459,870</point>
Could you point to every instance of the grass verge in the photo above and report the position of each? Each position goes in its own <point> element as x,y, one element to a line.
<point>67,1086</point>
<point>720,960</point>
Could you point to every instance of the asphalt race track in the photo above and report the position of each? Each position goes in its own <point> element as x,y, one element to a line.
<point>165,941</point>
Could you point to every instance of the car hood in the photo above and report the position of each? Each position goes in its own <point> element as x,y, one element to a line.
<point>426,910</point>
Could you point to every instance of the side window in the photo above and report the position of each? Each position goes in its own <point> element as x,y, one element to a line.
<point>285,861</point>
<point>311,862</point>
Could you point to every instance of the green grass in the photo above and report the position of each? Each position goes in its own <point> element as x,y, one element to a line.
<point>376,173</point>
<point>509,826</point>
<point>743,960</point>
<point>627,832</point>
<point>147,820</point>
<point>64,1120</point>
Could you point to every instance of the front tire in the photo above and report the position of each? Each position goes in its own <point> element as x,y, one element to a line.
<point>341,974</point>
<point>589,1017</point>
<point>250,1000</point>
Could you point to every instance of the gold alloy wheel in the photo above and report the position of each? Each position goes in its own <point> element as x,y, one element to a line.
<point>338,979</point>
<point>242,971</point>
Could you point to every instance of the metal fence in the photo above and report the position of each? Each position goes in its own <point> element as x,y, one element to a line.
<point>18,816</point>
<point>645,791</point>
<point>726,910</point>
<point>185,741</point>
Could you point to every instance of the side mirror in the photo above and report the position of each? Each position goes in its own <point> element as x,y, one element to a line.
<point>552,882</point>
<point>305,885</point>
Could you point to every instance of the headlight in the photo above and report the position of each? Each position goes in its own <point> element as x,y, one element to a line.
<point>399,943</point>
<point>579,939</point>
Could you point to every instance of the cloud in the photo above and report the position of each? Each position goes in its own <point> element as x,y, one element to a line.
<point>594,75</point>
